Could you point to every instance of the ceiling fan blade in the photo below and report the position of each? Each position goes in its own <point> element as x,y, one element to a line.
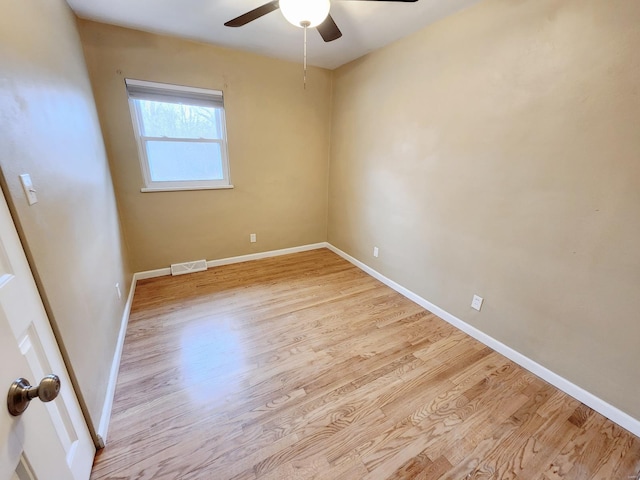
<point>328,30</point>
<point>253,14</point>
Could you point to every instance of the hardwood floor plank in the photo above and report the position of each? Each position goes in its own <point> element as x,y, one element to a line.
<point>304,367</point>
<point>547,442</point>
<point>629,465</point>
<point>572,453</point>
<point>507,457</point>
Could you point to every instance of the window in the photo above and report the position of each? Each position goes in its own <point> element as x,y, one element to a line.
<point>181,135</point>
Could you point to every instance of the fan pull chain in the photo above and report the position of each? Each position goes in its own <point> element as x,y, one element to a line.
<point>304,25</point>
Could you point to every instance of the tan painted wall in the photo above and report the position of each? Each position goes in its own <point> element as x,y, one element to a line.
<point>278,137</point>
<point>497,152</point>
<point>49,129</point>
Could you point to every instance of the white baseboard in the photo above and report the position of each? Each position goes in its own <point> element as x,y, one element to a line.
<point>161,272</point>
<point>272,253</point>
<point>103,427</point>
<point>612,413</point>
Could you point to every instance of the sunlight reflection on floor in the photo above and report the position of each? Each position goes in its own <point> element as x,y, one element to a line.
<point>211,352</point>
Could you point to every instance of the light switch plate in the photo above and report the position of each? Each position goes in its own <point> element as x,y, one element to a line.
<point>29,191</point>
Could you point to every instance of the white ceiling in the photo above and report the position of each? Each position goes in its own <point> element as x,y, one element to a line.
<point>365,25</point>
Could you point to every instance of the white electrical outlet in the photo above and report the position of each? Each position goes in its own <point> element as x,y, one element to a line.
<point>252,238</point>
<point>118,290</point>
<point>477,302</point>
<point>375,252</point>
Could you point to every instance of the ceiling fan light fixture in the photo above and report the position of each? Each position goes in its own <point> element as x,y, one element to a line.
<point>301,13</point>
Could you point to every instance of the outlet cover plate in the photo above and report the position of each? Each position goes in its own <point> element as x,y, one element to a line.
<point>477,302</point>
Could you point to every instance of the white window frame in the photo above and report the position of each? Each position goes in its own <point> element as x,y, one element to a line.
<point>144,90</point>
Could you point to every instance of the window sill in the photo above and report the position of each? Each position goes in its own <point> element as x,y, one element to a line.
<point>174,189</point>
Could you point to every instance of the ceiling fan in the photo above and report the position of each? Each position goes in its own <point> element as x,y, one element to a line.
<point>301,13</point>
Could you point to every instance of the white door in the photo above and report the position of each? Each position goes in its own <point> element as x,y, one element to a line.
<point>49,440</point>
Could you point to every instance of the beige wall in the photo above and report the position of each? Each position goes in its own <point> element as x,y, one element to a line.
<point>49,129</point>
<point>278,137</point>
<point>497,152</point>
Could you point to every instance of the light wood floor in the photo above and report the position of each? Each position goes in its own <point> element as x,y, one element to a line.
<point>304,367</point>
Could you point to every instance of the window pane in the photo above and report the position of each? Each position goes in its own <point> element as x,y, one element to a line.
<point>184,161</point>
<point>160,119</point>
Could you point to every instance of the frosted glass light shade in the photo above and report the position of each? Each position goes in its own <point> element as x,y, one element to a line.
<point>297,12</point>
